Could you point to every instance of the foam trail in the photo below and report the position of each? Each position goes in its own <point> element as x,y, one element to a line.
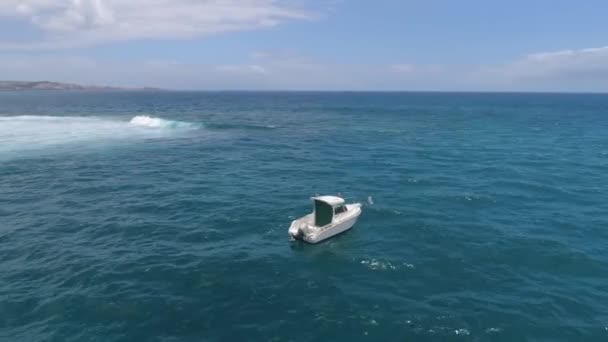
<point>149,121</point>
<point>25,133</point>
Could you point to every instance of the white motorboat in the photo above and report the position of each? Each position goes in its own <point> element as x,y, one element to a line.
<point>330,216</point>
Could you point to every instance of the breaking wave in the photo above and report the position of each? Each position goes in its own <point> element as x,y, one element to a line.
<point>152,122</point>
<point>23,133</point>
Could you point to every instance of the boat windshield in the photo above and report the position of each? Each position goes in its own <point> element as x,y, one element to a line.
<point>341,209</point>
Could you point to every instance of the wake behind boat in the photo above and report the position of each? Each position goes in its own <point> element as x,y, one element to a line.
<point>330,217</point>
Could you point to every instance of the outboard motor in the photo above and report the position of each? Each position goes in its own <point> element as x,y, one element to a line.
<point>295,231</point>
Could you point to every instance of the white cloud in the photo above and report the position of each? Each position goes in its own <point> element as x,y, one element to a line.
<point>242,69</point>
<point>67,23</point>
<point>567,62</point>
<point>257,74</point>
<point>404,68</point>
<point>570,70</point>
<point>419,69</point>
<point>267,70</point>
<point>583,69</point>
<point>285,60</point>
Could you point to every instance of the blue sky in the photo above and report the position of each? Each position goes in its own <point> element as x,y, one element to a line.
<point>535,45</point>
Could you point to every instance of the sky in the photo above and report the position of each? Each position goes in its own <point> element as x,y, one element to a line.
<point>443,45</point>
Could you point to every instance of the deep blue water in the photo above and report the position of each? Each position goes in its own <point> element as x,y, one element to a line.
<point>489,218</point>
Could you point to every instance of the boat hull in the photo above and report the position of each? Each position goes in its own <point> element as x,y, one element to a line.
<point>300,229</point>
<point>327,233</point>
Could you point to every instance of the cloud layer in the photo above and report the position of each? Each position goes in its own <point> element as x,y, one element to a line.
<point>569,70</point>
<point>58,25</point>
<point>582,69</point>
<point>67,23</point>
<point>566,63</point>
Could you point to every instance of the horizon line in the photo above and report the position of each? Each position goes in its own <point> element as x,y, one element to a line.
<point>109,88</point>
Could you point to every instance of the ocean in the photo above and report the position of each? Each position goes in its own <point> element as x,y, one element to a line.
<point>163,216</point>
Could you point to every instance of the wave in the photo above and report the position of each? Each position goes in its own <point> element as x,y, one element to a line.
<point>153,122</point>
<point>156,122</point>
<point>24,133</point>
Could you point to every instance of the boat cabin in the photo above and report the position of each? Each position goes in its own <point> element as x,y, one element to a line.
<point>325,208</point>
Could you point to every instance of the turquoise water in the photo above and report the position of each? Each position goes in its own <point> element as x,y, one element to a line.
<point>164,216</point>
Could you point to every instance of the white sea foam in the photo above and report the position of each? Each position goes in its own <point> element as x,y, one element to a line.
<point>26,133</point>
<point>463,332</point>
<point>383,265</point>
<point>152,122</point>
<point>374,264</point>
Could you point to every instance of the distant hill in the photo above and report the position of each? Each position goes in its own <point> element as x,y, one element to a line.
<point>46,85</point>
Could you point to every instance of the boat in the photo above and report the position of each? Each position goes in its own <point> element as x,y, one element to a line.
<point>330,216</point>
